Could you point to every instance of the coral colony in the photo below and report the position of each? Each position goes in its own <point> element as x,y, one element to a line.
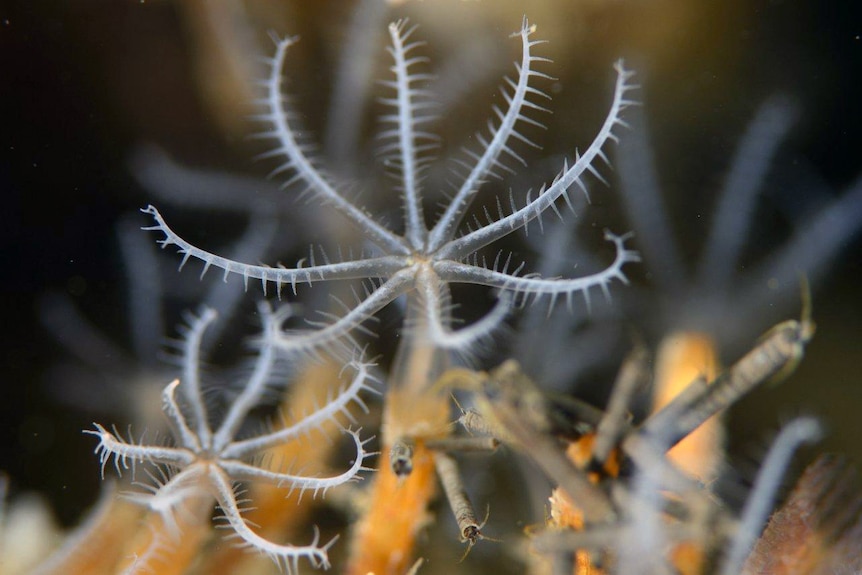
<point>425,260</point>
<point>619,504</point>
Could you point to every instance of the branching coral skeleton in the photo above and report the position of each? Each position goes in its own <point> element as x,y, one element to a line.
<point>207,461</point>
<point>596,511</point>
<point>425,260</point>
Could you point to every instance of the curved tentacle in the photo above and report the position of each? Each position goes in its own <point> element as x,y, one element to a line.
<point>457,272</point>
<point>383,266</point>
<point>296,160</point>
<point>519,218</point>
<point>484,165</point>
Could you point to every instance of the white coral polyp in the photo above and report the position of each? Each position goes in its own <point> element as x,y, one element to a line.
<point>425,260</point>
<point>206,462</point>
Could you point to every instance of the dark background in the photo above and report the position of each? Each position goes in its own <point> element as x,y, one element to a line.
<point>83,83</point>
